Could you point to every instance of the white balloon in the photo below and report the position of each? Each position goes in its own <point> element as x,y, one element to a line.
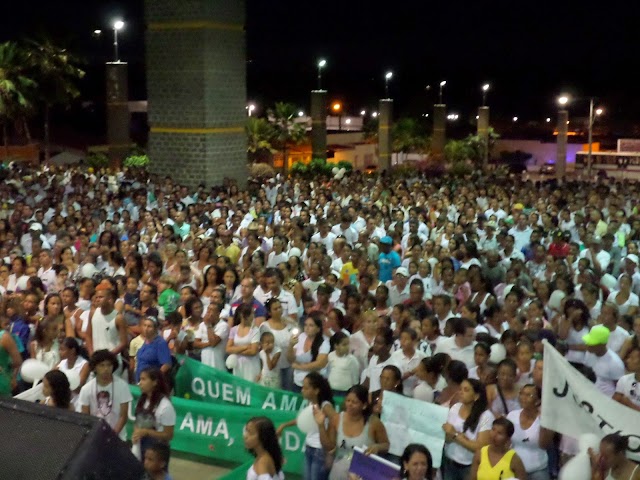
<point>498,353</point>
<point>33,370</point>
<point>74,379</point>
<point>343,170</point>
<point>306,422</point>
<point>609,282</point>
<point>232,361</point>
<point>578,467</point>
<point>587,441</point>
<point>335,170</point>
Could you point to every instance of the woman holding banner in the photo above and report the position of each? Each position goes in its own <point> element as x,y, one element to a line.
<point>355,426</point>
<point>467,430</point>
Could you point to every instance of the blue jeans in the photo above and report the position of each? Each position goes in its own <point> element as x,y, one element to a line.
<point>315,464</point>
<point>455,471</point>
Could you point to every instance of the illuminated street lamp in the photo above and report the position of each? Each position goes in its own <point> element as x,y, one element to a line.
<point>321,64</point>
<point>442,84</point>
<point>515,119</point>
<point>485,89</point>
<point>592,117</point>
<point>387,77</point>
<point>117,25</point>
<point>251,108</point>
<point>301,113</point>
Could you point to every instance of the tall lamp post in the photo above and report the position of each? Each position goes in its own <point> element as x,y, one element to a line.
<point>485,90</point>
<point>563,120</point>
<point>483,125</point>
<point>387,77</point>
<point>592,117</point>
<point>321,64</point>
<point>117,25</point>
<point>442,84</point>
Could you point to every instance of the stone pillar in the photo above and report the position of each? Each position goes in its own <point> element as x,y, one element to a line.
<point>118,117</point>
<point>439,130</point>
<point>483,133</point>
<point>196,82</point>
<point>385,145</point>
<point>561,156</point>
<point>319,124</point>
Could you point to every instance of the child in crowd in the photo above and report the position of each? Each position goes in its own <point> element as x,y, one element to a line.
<point>269,356</point>
<point>156,462</point>
<point>344,368</point>
<point>169,299</point>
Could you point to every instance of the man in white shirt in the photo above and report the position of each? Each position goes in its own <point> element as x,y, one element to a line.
<point>609,318</point>
<point>606,364</point>
<point>324,235</point>
<point>399,287</point>
<point>274,279</point>
<point>521,233</point>
<point>345,229</point>
<point>462,344</point>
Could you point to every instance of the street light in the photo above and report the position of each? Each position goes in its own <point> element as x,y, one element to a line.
<point>321,64</point>
<point>442,84</point>
<point>301,113</point>
<point>97,32</point>
<point>592,118</point>
<point>548,119</point>
<point>374,114</point>
<point>563,100</point>
<point>336,107</point>
<point>363,112</point>
<point>250,108</point>
<point>387,77</point>
<point>515,119</point>
<point>485,89</point>
<point>117,25</point>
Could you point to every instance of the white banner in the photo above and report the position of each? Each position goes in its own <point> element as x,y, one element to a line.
<point>573,406</point>
<point>408,420</point>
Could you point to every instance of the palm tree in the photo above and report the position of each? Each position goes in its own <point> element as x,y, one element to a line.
<point>57,72</point>
<point>15,87</point>
<point>286,131</point>
<point>259,136</point>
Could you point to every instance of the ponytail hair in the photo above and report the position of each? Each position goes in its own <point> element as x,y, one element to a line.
<point>319,338</point>
<point>478,407</point>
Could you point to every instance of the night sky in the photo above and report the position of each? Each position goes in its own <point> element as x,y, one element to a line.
<point>528,51</point>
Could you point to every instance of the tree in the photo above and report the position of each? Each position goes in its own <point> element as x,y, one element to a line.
<point>409,137</point>
<point>477,146</point>
<point>57,72</point>
<point>260,134</point>
<point>286,130</point>
<point>16,87</point>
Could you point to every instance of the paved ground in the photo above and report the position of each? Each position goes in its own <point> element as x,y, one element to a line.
<point>188,469</point>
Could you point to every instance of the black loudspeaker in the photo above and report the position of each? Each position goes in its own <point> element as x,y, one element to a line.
<point>45,443</point>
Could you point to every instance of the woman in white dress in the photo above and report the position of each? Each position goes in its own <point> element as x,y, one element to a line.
<point>260,439</point>
<point>624,298</point>
<point>244,344</point>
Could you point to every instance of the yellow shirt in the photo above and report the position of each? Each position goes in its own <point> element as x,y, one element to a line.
<point>346,273</point>
<point>499,471</point>
<point>232,251</point>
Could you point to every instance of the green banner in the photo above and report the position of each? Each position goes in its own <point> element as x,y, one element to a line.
<point>196,381</point>
<point>215,431</point>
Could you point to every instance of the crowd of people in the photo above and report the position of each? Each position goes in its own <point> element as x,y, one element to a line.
<point>440,289</point>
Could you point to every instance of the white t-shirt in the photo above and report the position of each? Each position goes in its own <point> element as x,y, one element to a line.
<point>623,308</point>
<point>305,357</point>
<point>526,443</point>
<point>457,452</point>
<point>374,370</point>
<point>628,386</point>
<point>281,341</point>
<point>214,356</point>
<point>617,339</point>
<point>105,401</point>
<point>608,369</point>
<point>406,364</point>
<point>344,372</point>
<point>465,355</point>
